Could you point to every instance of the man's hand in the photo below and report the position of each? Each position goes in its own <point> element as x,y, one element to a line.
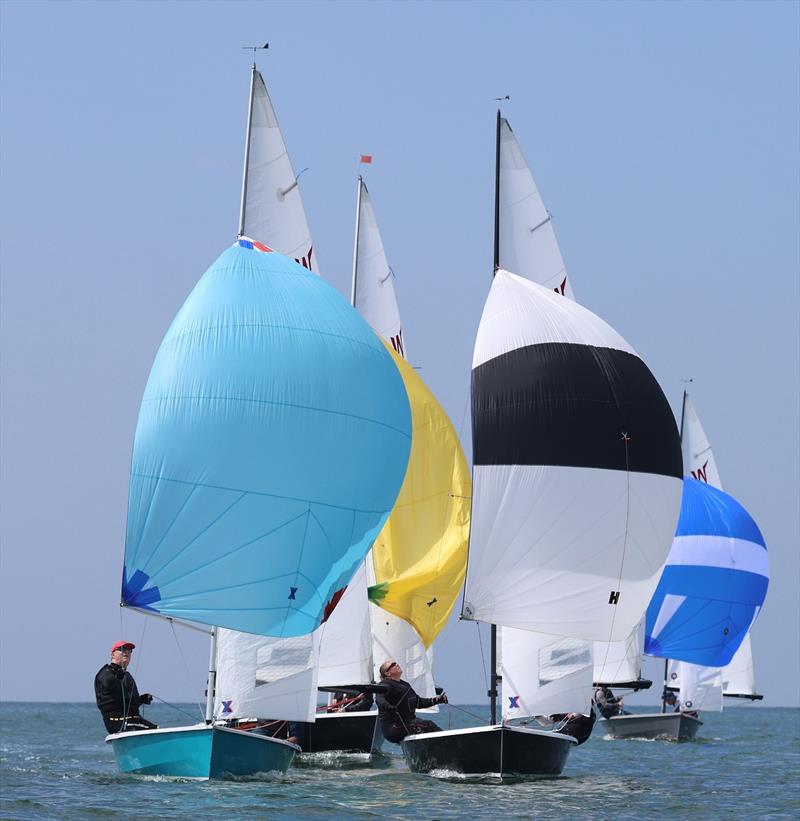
<point>146,698</point>
<point>442,699</point>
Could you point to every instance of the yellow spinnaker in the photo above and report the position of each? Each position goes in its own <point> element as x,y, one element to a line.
<point>420,556</point>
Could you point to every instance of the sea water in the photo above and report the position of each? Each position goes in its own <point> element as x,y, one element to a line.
<point>745,763</point>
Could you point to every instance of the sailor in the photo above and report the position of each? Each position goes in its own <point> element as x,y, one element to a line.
<point>397,705</point>
<point>578,725</point>
<point>116,693</point>
<point>342,704</point>
<point>608,704</point>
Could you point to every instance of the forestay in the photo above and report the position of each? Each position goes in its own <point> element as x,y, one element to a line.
<point>528,244</point>
<point>698,457</point>
<point>266,385</point>
<point>273,209</point>
<point>714,582</point>
<point>577,470</point>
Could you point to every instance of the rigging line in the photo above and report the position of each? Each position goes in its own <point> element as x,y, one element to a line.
<point>185,665</point>
<point>625,439</point>
<point>483,658</point>
<point>467,712</point>
<point>174,707</point>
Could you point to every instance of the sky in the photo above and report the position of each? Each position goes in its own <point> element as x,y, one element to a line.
<point>665,140</point>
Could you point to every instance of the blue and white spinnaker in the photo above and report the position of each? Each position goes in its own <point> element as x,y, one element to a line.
<point>713,584</point>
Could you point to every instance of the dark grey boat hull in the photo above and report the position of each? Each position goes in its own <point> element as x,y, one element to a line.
<point>669,726</point>
<point>497,750</point>
<point>345,732</point>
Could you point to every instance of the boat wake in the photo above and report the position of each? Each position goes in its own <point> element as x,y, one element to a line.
<point>336,760</point>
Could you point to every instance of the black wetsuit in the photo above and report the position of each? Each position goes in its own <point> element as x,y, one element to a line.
<point>118,700</point>
<point>396,708</point>
<point>607,702</point>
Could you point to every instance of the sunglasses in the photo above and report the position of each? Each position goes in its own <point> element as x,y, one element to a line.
<point>124,652</point>
<point>393,664</point>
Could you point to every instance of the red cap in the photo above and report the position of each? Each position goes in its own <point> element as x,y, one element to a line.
<point>123,645</point>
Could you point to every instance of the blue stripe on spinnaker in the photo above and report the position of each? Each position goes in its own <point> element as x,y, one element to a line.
<point>709,511</point>
<point>136,593</point>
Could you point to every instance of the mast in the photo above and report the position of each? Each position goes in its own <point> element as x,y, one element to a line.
<point>496,262</point>
<point>492,693</point>
<point>212,677</point>
<point>355,241</point>
<point>247,149</point>
<point>666,661</point>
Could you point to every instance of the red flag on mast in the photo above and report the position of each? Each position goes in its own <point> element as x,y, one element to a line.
<point>366,158</point>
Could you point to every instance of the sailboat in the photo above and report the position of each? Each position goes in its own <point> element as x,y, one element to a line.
<point>576,490</point>
<point>342,653</point>
<point>266,385</point>
<point>737,678</point>
<point>712,589</point>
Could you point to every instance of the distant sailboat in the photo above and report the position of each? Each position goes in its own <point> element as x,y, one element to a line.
<point>738,678</point>
<point>710,592</point>
<point>266,384</point>
<point>576,460</point>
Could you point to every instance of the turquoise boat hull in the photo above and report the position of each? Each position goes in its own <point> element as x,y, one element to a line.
<point>201,752</point>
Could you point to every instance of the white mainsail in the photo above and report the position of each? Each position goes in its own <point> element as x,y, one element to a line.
<point>528,244</point>
<point>272,209</point>
<point>698,456</point>
<point>373,280</point>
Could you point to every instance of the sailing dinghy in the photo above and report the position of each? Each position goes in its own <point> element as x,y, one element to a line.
<point>266,385</point>
<point>576,490</point>
<point>711,591</point>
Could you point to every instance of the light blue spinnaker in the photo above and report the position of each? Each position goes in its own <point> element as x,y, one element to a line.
<point>273,438</point>
<point>713,584</point>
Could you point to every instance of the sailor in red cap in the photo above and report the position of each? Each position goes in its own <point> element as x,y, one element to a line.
<point>117,697</point>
